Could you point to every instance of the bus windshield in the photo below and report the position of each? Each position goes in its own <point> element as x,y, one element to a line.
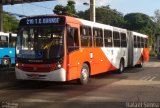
<point>3,41</point>
<point>40,42</point>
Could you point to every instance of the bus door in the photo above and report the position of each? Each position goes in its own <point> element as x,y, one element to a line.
<point>72,52</point>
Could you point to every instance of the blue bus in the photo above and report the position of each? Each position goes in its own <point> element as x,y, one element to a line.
<point>7,49</point>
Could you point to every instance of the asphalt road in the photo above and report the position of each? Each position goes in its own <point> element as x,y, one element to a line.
<point>135,88</point>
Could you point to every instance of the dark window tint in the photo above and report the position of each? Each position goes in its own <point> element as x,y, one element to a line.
<point>86,39</point>
<point>138,41</point>
<point>142,42</point>
<point>135,41</point>
<point>146,43</point>
<point>72,39</point>
<point>98,37</point>
<point>116,39</point>
<point>123,40</point>
<point>4,41</point>
<point>108,38</point>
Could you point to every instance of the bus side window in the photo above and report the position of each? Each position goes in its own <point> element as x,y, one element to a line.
<point>86,36</point>
<point>146,43</point>
<point>116,39</point>
<point>142,42</point>
<point>72,40</point>
<point>108,38</point>
<point>135,41</point>
<point>98,37</point>
<point>123,40</point>
<point>12,40</point>
<point>138,42</point>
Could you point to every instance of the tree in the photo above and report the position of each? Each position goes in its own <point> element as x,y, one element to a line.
<point>59,10</point>
<point>141,23</point>
<point>156,20</point>
<point>105,15</point>
<point>10,23</point>
<point>70,8</point>
<point>66,10</point>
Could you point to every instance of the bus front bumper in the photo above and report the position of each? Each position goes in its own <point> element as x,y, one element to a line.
<point>56,75</point>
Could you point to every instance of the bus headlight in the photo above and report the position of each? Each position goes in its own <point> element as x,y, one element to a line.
<point>59,65</point>
<point>17,51</point>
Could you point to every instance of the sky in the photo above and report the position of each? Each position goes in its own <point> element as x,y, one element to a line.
<point>124,6</point>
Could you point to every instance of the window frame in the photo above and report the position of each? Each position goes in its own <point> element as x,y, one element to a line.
<point>116,39</point>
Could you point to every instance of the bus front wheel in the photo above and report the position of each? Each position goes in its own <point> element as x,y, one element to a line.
<point>6,61</point>
<point>84,75</point>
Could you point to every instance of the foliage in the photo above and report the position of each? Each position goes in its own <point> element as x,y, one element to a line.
<point>105,15</point>
<point>66,10</point>
<point>109,16</point>
<point>139,22</point>
<point>70,8</point>
<point>156,20</point>
<point>10,23</point>
<point>59,10</point>
<point>152,53</point>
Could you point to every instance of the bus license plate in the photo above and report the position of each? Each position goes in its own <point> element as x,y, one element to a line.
<point>34,76</point>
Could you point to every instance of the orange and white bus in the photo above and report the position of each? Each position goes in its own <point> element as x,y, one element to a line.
<point>63,48</point>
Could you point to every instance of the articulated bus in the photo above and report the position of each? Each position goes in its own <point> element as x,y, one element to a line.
<point>63,48</point>
<point>7,49</point>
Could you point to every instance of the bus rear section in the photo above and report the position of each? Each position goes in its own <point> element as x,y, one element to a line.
<point>7,49</point>
<point>138,51</point>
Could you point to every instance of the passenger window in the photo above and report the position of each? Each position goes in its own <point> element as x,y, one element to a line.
<point>116,39</point>
<point>123,40</point>
<point>146,43</point>
<point>108,38</point>
<point>72,39</point>
<point>135,41</point>
<point>86,36</point>
<point>142,42</point>
<point>98,37</point>
<point>138,42</point>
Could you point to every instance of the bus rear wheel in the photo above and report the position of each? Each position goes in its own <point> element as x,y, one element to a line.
<point>84,75</point>
<point>141,63</point>
<point>121,67</point>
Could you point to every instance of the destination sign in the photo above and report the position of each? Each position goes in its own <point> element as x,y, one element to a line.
<point>42,21</point>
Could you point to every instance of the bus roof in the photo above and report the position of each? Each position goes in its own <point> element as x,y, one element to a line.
<point>33,20</point>
<point>139,34</point>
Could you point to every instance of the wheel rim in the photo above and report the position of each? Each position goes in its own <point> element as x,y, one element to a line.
<point>121,67</point>
<point>5,61</point>
<point>84,74</point>
<point>141,62</point>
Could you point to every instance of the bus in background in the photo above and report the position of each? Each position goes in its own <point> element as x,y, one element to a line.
<point>7,49</point>
<point>63,48</point>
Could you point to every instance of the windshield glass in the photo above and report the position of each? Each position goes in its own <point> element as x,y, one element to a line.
<point>3,41</point>
<point>40,42</point>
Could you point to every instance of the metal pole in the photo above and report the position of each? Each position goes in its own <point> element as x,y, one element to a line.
<point>1,17</point>
<point>92,10</point>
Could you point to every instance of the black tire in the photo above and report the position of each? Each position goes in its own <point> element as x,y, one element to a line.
<point>6,62</point>
<point>121,67</point>
<point>141,64</point>
<point>84,75</point>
